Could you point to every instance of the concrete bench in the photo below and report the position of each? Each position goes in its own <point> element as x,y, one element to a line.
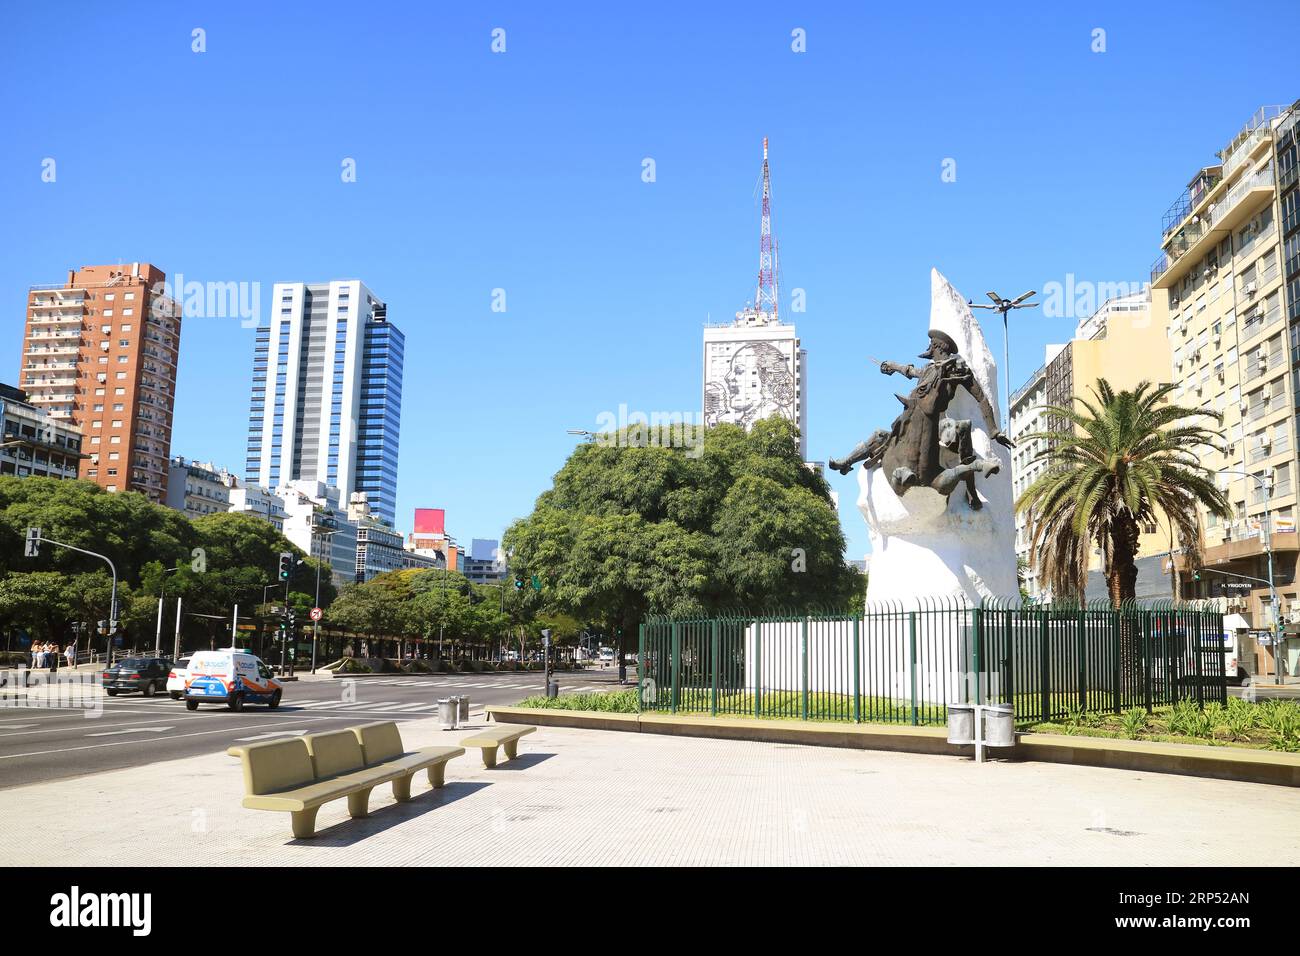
<point>301,774</point>
<point>492,738</point>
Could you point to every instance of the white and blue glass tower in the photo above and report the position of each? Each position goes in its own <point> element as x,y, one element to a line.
<point>327,393</point>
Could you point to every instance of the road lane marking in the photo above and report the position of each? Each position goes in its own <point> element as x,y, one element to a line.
<point>133,730</point>
<point>278,733</point>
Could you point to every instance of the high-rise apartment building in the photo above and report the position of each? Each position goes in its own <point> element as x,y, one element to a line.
<point>100,352</point>
<point>1228,282</point>
<point>327,393</point>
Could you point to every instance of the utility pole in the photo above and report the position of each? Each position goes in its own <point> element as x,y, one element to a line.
<point>162,596</point>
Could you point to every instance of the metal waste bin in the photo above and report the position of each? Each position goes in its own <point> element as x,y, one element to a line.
<point>463,700</point>
<point>961,724</point>
<point>447,713</point>
<point>999,725</point>
<point>552,688</point>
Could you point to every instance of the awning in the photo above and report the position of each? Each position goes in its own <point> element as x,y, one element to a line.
<point>1234,622</point>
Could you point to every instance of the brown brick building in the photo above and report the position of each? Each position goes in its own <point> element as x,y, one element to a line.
<point>100,352</point>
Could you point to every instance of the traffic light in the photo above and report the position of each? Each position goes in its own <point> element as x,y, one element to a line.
<point>537,582</point>
<point>286,565</point>
<point>519,584</point>
<point>1196,575</point>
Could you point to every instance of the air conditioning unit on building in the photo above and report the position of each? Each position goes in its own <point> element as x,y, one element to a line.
<point>1249,288</point>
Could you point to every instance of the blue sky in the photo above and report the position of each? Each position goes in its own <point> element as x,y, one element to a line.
<point>522,171</point>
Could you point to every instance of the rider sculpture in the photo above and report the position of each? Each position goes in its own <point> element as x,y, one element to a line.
<point>924,448</point>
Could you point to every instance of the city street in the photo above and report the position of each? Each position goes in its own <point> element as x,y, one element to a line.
<point>41,744</point>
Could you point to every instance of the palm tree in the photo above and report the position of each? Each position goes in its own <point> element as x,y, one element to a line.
<point>1114,466</point>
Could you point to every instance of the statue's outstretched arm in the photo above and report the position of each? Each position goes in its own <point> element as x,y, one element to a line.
<point>986,409</point>
<point>889,368</point>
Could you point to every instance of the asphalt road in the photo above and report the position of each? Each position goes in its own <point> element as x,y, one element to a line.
<point>41,743</point>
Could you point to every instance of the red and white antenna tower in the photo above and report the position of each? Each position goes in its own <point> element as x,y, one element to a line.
<point>765,299</point>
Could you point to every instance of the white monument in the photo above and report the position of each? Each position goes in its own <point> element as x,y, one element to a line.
<point>926,546</point>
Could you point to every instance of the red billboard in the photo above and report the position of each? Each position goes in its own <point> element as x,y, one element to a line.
<point>429,520</point>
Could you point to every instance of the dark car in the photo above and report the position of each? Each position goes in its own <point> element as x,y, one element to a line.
<point>144,674</point>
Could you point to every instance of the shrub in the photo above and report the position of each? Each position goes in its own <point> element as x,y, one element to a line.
<point>351,665</point>
<point>1282,718</point>
<point>614,702</point>
<point>1133,721</point>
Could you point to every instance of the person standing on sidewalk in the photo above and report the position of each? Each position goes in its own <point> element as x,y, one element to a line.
<point>55,652</point>
<point>70,653</point>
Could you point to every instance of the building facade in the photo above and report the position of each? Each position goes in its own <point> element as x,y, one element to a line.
<point>257,501</point>
<point>32,442</point>
<point>327,393</point>
<point>754,368</point>
<point>198,488</point>
<point>1228,280</point>
<point>317,522</point>
<point>100,353</point>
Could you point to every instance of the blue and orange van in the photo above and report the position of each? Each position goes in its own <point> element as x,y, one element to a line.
<point>230,677</point>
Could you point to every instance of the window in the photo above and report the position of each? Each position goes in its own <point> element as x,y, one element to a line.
<point>106,329</point>
<point>129,295</point>
<point>97,423</point>
<point>124,343</point>
<point>128,311</point>
<point>117,423</point>
<point>94,439</point>
<point>99,391</point>
<point>126,327</point>
<point>108,312</point>
<point>123,359</point>
<point>109,297</point>
<point>114,456</point>
<point>119,391</point>
<point>115,439</point>
<point>119,406</point>
<point>99,407</point>
<point>121,376</point>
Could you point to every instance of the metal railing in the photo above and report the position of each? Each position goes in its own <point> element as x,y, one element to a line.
<point>900,664</point>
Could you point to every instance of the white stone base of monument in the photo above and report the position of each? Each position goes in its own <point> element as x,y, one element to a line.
<point>924,546</point>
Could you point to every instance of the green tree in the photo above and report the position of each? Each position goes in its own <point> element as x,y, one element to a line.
<point>628,530</point>
<point>1127,460</point>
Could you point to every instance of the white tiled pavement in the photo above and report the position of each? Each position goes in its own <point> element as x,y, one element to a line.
<point>593,797</point>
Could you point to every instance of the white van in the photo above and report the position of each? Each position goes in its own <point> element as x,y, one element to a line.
<point>231,677</point>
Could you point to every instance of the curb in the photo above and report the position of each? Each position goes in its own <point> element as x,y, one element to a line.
<point>1220,763</point>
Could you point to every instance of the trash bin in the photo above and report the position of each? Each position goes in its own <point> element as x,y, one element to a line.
<point>961,724</point>
<point>463,700</point>
<point>552,688</point>
<point>999,725</point>
<point>447,713</point>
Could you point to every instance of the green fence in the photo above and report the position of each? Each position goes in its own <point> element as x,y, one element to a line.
<point>899,664</point>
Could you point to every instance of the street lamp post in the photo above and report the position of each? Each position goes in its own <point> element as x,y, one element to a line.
<point>1005,306</point>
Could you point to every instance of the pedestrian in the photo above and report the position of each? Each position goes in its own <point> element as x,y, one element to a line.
<point>54,658</point>
<point>71,654</point>
<point>38,656</point>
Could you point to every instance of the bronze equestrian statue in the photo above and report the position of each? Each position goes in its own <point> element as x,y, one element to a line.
<point>924,448</point>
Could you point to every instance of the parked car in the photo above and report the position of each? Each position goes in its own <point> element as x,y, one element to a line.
<point>176,678</point>
<point>146,675</point>
<point>230,677</point>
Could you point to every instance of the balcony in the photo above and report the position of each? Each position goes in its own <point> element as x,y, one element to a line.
<point>1199,235</point>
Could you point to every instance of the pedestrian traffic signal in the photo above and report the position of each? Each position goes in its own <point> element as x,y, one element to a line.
<point>33,543</point>
<point>286,565</point>
<point>1196,575</point>
<point>537,582</point>
<point>519,584</point>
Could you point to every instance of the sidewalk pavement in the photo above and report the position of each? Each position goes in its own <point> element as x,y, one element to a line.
<point>597,797</point>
